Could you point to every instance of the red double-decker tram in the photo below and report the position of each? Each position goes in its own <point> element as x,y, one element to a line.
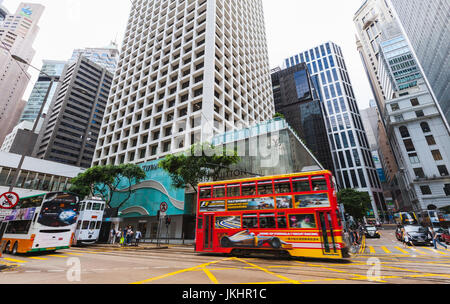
<point>294,213</point>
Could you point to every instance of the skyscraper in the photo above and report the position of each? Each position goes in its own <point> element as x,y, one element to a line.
<point>426,27</point>
<point>17,34</point>
<point>187,71</point>
<point>71,128</point>
<point>298,100</point>
<point>50,68</point>
<point>349,145</point>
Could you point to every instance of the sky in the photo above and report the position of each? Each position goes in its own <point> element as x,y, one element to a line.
<point>292,26</point>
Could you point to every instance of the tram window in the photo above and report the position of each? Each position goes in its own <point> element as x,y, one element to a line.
<point>99,224</point>
<point>96,206</point>
<point>85,225</point>
<point>319,184</point>
<point>265,187</point>
<point>219,191</point>
<point>250,221</point>
<point>89,206</point>
<point>102,207</point>
<point>267,220</point>
<point>78,225</point>
<point>205,192</point>
<point>281,221</point>
<point>282,186</point>
<point>248,189</point>
<point>301,184</point>
<point>302,221</point>
<point>233,190</point>
<point>18,227</point>
<point>82,207</point>
<point>92,225</point>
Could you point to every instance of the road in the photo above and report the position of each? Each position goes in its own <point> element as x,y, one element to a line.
<point>384,260</point>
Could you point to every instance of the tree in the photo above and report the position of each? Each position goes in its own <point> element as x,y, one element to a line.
<point>355,203</point>
<point>105,181</point>
<point>199,163</point>
<point>278,115</point>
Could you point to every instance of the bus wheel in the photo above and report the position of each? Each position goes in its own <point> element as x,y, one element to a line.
<point>275,243</point>
<point>6,249</point>
<point>14,250</point>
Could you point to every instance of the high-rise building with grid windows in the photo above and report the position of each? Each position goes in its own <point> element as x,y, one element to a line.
<point>350,149</point>
<point>188,70</point>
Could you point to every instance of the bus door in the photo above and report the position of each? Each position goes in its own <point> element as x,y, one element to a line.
<point>327,233</point>
<point>208,231</point>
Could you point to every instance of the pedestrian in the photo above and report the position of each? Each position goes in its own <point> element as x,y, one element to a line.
<point>435,238</point>
<point>405,237</point>
<point>118,235</point>
<point>129,235</point>
<point>112,236</point>
<point>138,237</point>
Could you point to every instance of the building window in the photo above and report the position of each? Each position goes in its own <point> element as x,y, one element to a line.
<point>436,155</point>
<point>413,158</point>
<point>430,140</point>
<point>443,170</point>
<point>399,118</point>
<point>425,127</point>
<point>409,145</point>
<point>425,190</point>
<point>447,189</point>
<point>419,173</point>
<point>414,102</point>
<point>404,132</point>
<point>395,107</point>
<point>420,113</point>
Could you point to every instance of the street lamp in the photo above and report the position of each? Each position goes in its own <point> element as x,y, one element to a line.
<point>36,121</point>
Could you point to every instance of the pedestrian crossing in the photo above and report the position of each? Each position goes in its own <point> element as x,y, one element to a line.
<point>397,250</point>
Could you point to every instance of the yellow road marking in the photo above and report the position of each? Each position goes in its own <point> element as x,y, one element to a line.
<point>72,253</point>
<point>180,271</point>
<point>210,275</point>
<point>14,260</point>
<point>372,250</point>
<point>37,258</point>
<point>401,250</point>
<point>434,250</point>
<point>385,249</point>
<point>58,255</point>
<point>269,272</point>
<point>419,251</point>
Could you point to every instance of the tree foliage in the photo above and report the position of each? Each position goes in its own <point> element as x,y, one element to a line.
<point>201,162</point>
<point>105,181</point>
<point>355,203</point>
<point>278,115</point>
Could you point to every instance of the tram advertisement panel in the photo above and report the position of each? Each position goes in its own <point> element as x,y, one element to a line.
<point>317,200</point>
<point>251,204</point>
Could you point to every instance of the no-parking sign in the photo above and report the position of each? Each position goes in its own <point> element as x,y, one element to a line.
<point>8,200</point>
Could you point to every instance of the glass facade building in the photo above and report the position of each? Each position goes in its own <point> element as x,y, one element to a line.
<point>49,68</point>
<point>351,154</point>
<point>295,97</point>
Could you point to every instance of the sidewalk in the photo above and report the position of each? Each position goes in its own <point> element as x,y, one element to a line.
<point>142,246</point>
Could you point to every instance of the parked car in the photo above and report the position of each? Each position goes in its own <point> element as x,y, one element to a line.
<point>446,236</point>
<point>418,234</point>
<point>371,231</point>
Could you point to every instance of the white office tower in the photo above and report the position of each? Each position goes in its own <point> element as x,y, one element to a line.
<point>17,34</point>
<point>188,70</point>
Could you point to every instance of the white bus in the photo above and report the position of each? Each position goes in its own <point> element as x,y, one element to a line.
<point>44,222</point>
<point>89,221</point>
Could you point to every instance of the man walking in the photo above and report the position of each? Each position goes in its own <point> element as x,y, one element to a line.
<point>435,238</point>
<point>129,235</point>
<point>112,236</point>
<point>138,237</point>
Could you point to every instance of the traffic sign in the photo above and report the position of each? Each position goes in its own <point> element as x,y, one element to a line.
<point>8,200</point>
<point>163,207</point>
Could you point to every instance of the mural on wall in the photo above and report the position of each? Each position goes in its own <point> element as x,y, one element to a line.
<point>148,194</point>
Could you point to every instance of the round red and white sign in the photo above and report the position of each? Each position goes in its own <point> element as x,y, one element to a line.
<point>163,207</point>
<point>8,200</point>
